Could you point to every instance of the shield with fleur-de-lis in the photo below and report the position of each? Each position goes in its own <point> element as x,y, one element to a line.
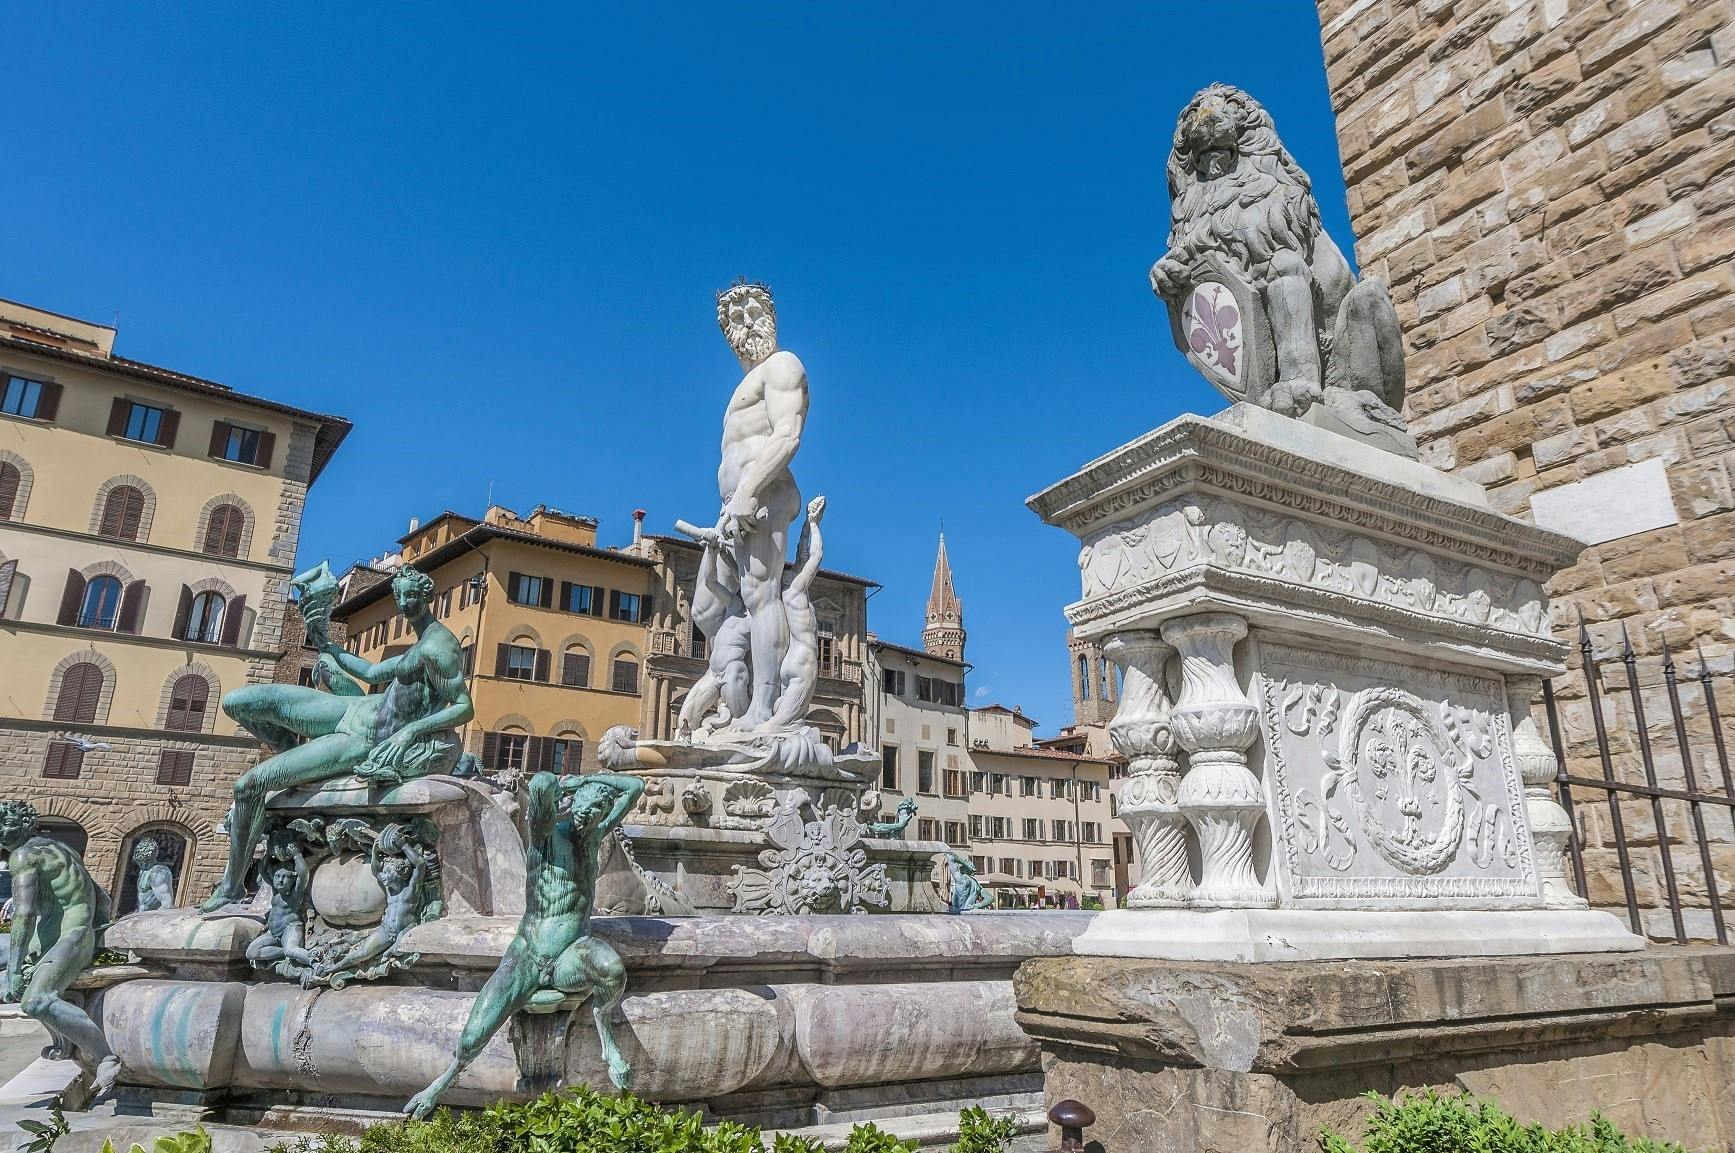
<point>1218,321</point>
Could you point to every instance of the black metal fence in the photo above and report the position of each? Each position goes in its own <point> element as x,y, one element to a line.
<point>1647,788</point>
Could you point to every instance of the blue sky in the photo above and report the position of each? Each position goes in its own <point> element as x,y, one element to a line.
<point>492,237</point>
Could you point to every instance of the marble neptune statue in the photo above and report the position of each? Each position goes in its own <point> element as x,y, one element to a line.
<point>748,711</point>
<point>405,732</point>
<point>59,913</point>
<point>739,601</point>
<point>568,820</point>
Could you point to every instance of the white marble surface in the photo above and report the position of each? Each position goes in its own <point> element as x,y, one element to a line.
<point>1323,445</point>
<point>1609,505</point>
<point>1242,935</point>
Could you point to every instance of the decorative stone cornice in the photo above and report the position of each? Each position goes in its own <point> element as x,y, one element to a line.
<point>1194,452</point>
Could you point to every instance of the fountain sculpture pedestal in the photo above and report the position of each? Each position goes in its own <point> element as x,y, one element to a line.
<point>1329,657</point>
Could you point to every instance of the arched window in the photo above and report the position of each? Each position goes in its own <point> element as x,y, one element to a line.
<point>122,513</point>
<point>1083,677</point>
<point>100,608</point>
<point>79,698</point>
<point>187,703</point>
<point>205,619</point>
<point>625,677</point>
<point>223,531</point>
<point>80,693</point>
<point>507,751</point>
<point>10,482</point>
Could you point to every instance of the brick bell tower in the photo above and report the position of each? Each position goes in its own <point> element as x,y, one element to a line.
<point>943,634</point>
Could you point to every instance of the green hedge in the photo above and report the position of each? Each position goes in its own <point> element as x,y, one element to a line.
<point>1430,1122</point>
<point>581,1120</point>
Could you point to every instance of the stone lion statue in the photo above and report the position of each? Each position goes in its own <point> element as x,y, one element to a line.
<point>1238,197</point>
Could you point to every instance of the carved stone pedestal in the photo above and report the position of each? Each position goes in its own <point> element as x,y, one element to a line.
<point>765,826</point>
<point>1358,639</point>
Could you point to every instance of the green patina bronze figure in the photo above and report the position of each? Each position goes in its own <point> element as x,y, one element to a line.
<point>554,956</point>
<point>156,881</point>
<point>967,894</point>
<point>403,733</point>
<point>59,913</point>
<point>891,828</point>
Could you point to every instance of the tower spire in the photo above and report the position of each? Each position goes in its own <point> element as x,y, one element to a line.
<point>943,634</point>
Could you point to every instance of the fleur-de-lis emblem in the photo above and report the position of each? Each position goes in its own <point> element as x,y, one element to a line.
<point>1214,328</point>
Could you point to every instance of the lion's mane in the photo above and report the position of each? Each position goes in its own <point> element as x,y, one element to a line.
<point>1238,214</point>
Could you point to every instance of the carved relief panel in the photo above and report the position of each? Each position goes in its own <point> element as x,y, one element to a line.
<point>1391,781</point>
<point>1127,562</point>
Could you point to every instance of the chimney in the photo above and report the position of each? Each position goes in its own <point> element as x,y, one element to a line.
<point>415,523</point>
<point>638,526</point>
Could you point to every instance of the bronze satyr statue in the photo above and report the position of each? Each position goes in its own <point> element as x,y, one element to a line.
<point>554,956</point>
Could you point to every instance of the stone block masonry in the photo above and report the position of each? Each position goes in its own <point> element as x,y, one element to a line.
<point>1235,1058</point>
<point>117,796</point>
<point>1549,189</point>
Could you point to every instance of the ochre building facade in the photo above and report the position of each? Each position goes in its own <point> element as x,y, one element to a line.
<point>554,630</point>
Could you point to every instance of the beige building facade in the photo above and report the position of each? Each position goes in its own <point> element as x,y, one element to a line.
<point>1033,819</point>
<point>554,629</point>
<point>1041,820</point>
<point>148,528</point>
<point>923,731</point>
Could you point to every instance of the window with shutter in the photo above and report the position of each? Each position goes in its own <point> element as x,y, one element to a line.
<point>175,767</point>
<point>223,531</point>
<point>21,397</point>
<point>626,675</point>
<point>518,662</point>
<point>132,607</point>
<point>122,513</point>
<point>568,755</point>
<point>65,761</point>
<point>575,669</point>
<point>513,752</point>
<point>141,422</point>
<point>71,598</point>
<point>8,573</point>
<point>240,445</point>
<point>10,481</point>
<point>187,701</point>
<point>234,618</point>
<point>80,694</point>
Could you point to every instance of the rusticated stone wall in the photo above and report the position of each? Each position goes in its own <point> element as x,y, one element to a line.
<point>1549,189</point>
